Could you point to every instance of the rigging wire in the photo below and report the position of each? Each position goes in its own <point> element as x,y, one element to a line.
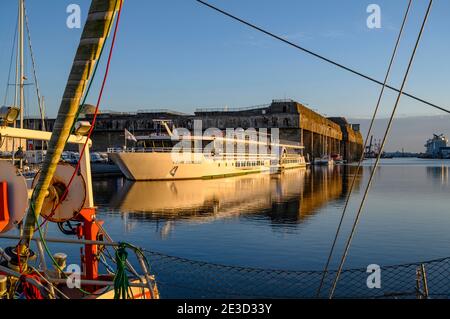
<point>46,218</point>
<point>94,120</point>
<point>11,63</point>
<point>385,137</point>
<point>39,226</point>
<point>33,63</point>
<point>352,184</point>
<point>321,57</point>
<point>16,91</point>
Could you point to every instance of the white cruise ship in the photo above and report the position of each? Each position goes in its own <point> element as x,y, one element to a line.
<point>155,158</point>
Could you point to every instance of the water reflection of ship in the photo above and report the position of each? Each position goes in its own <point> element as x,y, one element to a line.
<point>286,198</point>
<point>439,173</point>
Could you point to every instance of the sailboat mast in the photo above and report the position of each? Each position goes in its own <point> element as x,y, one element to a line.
<point>101,16</point>
<point>21,59</point>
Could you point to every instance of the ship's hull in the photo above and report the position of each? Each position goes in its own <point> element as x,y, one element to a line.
<point>161,166</point>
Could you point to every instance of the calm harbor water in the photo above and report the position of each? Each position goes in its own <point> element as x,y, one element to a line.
<point>286,221</point>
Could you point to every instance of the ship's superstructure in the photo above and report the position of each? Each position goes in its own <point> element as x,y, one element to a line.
<point>436,145</point>
<point>171,156</point>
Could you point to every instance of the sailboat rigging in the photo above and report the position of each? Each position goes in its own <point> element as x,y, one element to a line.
<point>55,200</point>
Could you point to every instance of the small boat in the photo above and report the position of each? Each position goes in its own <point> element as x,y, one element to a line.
<point>324,161</point>
<point>337,159</point>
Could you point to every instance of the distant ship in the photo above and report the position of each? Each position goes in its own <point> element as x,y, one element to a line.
<point>436,147</point>
<point>153,157</point>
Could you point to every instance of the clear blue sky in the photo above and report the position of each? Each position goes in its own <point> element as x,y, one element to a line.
<point>180,55</point>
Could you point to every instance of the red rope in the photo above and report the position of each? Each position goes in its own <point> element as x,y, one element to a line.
<point>66,192</point>
<point>30,291</point>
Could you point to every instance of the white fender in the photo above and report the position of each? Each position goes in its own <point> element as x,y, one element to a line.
<point>17,194</point>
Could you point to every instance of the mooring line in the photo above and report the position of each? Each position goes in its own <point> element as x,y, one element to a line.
<point>352,185</point>
<point>386,134</point>
<point>321,57</point>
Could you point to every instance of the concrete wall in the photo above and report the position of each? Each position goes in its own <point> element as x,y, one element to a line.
<point>295,122</point>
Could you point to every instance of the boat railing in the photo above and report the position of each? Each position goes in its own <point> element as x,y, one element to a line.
<point>144,282</point>
<point>212,155</point>
<point>79,140</point>
<point>231,110</point>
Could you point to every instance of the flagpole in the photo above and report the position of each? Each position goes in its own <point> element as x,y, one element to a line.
<point>125,135</point>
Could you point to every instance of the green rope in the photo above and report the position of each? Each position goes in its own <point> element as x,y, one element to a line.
<point>47,250</point>
<point>72,129</point>
<point>121,280</point>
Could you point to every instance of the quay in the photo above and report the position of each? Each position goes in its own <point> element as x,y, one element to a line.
<point>296,123</point>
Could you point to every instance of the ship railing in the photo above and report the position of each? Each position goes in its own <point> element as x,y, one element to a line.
<point>145,282</point>
<point>81,141</point>
<point>231,110</point>
<point>196,151</point>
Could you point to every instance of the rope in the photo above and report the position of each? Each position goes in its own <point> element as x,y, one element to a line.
<point>352,185</point>
<point>121,281</point>
<point>358,215</point>
<point>122,284</point>
<point>339,65</point>
<point>30,291</point>
<point>49,283</point>
<point>16,91</point>
<point>33,63</point>
<point>11,62</point>
<point>77,115</point>
<point>39,227</point>
<point>66,192</point>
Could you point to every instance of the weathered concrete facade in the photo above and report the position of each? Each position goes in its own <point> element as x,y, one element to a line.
<point>352,141</point>
<point>295,122</point>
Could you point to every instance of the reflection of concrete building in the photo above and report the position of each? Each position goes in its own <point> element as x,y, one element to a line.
<point>437,146</point>
<point>290,197</point>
